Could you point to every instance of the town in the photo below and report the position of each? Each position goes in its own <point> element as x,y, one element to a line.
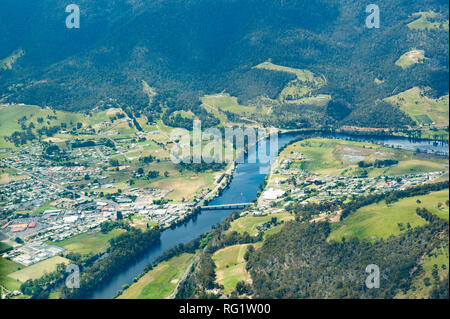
<point>52,193</point>
<point>74,211</point>
<point>45,204</point>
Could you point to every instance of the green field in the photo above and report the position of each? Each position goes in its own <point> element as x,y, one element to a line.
<point>427,21</point>
<point>230,265</point>
<point>303,75</point>
<point>381,221</point>
<point>87,243</point>
<point>9,175</point>
<point>318,152</point>
<point>248,224</point>
<point>273,231</point>
<point>160,282</point>
<point>338,157</point>
<point>419,289</point>
<point>410,58</point>
<point>11,114</point>
<point>299,91</point>
<point>7,267</point>
<point>225,102</point>
<point>413,166</point>
<point>8,62</point>
<point>4,247</point>
<point>43,208</point>
<point>421,108</point>
<point>38,270</point>
<point>431,202</point>
<point>423,119</point>
<point>185,185</point>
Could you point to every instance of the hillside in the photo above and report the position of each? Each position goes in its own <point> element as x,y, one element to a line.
<point>184,50</point>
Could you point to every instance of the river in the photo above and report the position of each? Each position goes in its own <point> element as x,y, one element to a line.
<point>243,188</point>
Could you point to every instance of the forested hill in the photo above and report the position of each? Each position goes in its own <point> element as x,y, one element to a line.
<point>185,49</point>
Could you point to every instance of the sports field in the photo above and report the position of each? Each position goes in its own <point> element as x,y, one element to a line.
<point>10,175</point>
<point>38,270</point>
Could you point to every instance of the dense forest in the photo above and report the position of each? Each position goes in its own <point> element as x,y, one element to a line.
<point>184,50</point>
<point>299,261</point>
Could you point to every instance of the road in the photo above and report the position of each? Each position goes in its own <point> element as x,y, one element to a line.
<point>212,193</point>
<point>183,278</point>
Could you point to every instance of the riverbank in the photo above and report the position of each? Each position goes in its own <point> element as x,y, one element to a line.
<point>243,187</point>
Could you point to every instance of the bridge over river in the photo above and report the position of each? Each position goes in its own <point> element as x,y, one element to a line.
<point>243,188</point>
<point>227,206</point>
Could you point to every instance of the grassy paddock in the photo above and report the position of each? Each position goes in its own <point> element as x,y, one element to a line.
<point>7,267</point>
<point>410,58</point>
<point>225,102</point>
<point>249,224</point>
<point>298,90</point>
<point>337,157</point>
<point>423,282</point>
<point>230,265</point>
<point>160,282</point>
<point>86,243</point>
<point>423,22</point>
<point>38,270</point>
<point>11,114</point>
<point>381,220</point>
<point>421,108</point>
<point>185,186</point>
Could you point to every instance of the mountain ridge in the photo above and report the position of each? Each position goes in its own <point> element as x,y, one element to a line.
<point>187,49</point>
